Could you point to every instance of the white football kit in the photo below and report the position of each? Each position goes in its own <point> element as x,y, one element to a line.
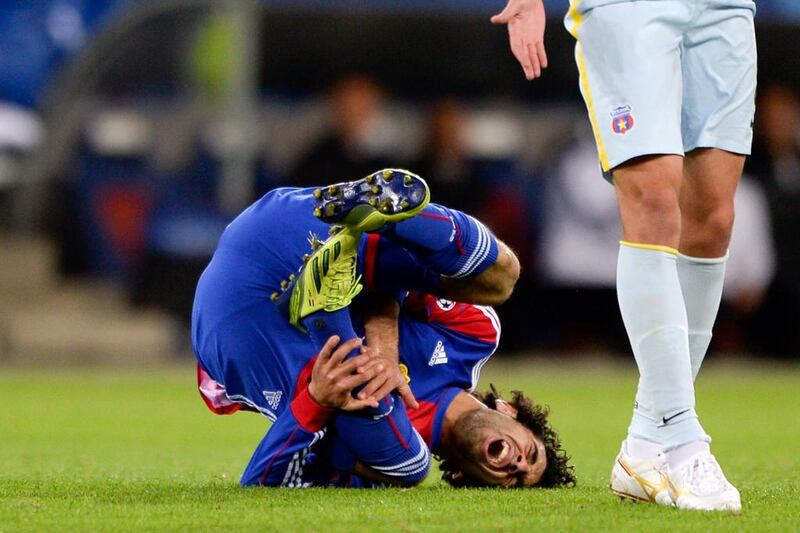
<point>666,76</point>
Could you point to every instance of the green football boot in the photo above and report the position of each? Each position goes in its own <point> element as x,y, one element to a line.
<point>387,196</point>
<point>327,281</point>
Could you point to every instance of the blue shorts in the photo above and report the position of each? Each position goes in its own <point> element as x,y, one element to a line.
<point>666,77</point>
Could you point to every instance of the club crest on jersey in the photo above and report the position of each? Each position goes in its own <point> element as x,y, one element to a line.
<point>445,305</point>
<point>273,398</point>
<point>622,120</point>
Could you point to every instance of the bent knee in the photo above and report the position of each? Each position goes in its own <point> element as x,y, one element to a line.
<point>504,276</point>
<point>650,215</point>
<point>405,479</point>
<point>656,202</point>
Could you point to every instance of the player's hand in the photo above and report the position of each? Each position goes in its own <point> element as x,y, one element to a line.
<point>383,382</point>
<point>525,20</point>
<point>333,378</point>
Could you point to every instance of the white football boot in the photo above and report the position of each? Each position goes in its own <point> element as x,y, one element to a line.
<point>641,479</point>
<point>698,483</point>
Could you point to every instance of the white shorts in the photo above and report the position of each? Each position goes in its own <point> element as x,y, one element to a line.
<point>666,77</point>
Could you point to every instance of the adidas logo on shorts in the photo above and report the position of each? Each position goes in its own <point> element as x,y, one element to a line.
<point>273,398</point>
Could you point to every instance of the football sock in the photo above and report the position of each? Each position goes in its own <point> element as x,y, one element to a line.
<point>388,267</point>
<point>654,315</point>
<point>447,241</point>
<point>682,453</point>
<point>387,443</point>
<point>701,283</point>
<point>322,324</point>
<point>642,448</point>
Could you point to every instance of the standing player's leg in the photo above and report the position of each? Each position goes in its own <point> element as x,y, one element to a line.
<point>709,186</point>
<point>653,309</point>
<point>633,93</point>
<point>719,69</point>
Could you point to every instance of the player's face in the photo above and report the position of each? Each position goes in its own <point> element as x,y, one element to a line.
<point>500,451</point>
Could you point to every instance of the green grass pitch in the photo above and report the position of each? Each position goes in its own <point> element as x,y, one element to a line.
<point>136,449</point>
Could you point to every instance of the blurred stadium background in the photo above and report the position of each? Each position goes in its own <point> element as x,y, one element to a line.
<point>131,132</point>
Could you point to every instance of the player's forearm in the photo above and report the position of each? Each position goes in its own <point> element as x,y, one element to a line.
<point>380,325</point>
<point>493,286</point>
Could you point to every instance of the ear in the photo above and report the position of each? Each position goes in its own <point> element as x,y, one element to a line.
<point>505,408</point>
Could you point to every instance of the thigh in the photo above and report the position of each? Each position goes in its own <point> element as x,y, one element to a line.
<point>710,178</point>
<point>629,60</point>
<point>719,80</point>
<point>243,342</point>
<point>709,184</point>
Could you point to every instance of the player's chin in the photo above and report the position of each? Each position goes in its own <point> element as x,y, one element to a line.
<point>491,479</point>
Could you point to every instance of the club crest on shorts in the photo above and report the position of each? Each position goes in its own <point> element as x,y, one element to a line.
<point>622,120</point>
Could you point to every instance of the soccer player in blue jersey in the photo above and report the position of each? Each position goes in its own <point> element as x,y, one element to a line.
<point>287,343</point>
<point>670,87</point>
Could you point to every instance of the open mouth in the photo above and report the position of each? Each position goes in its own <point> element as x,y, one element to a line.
<point>498,452</point>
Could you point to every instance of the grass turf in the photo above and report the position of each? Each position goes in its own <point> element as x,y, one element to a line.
<point>136,449</point>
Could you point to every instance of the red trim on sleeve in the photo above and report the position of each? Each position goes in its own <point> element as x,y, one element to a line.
<point>304,378</point>
<point>370,259</point>
<point>309,414</point>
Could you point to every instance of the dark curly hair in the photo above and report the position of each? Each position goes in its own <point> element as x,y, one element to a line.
<point>557,473</point>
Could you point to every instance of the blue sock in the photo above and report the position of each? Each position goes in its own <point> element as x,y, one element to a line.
<point>447,241</point>
<point>322,324</point>
<point>387,442</point>
<point>388,267</point>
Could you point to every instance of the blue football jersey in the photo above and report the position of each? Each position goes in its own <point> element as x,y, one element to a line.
<point>250,357</point>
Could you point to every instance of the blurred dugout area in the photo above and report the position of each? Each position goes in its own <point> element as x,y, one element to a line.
<point>151,124</point>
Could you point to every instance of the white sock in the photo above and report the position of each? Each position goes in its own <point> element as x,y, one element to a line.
<point>653,311</point>
<point>701,283</point>
<point>642,448</point>
<point>682,453</point>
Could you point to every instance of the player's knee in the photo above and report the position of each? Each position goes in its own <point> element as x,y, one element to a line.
<point>503,278</point>
<point>413,478</point>
<point>659,203</point>
<point>710,232</point>
<point>719,225</point>
<point>651,215</point>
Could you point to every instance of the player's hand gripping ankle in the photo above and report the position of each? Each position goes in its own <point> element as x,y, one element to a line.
<point>333,378</point>
<point>386,380</point>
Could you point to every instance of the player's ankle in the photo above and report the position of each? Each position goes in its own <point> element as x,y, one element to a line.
<point>638,448</point>
<point>682,453</point>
